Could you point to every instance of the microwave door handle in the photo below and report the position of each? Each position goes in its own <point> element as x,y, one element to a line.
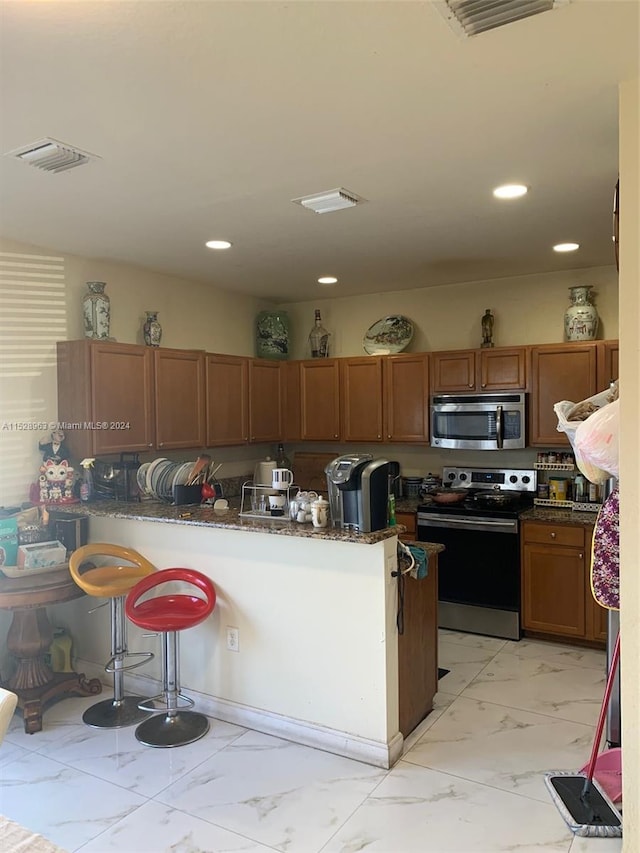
<point>499,427</point>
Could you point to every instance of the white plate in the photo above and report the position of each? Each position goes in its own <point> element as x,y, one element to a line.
<point>389,335</point>
<point>141,477</point>
<point>150,470</point>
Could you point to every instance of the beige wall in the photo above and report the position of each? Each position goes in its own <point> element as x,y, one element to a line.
<point>527,310</point>
<point>630,458</point>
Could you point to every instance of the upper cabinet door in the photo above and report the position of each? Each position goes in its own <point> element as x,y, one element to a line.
<point>607,363</point>
<point>453,372</point>
<point>320,399</point>
<point>558,372</point>
<point>179,398</point>
<point>265,400</point>
<point>361,402</point>
<point>227,383</point>
<point>121,397</point>
<point>406,397</point>
<point>503,369</point>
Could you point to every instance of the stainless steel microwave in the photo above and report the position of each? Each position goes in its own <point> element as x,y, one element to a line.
<point>478,421</point>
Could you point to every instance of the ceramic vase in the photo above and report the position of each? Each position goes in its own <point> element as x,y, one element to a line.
<point>96,308</point>
<point>272,335</point>
<point>152,330</point>
<point>581,318</point>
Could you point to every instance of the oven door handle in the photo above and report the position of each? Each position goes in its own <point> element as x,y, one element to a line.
<point>499,435</point>
<point>508,526</point>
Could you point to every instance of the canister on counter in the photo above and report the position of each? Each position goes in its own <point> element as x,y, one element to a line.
<point>557,488</point>
<point>543,491</point>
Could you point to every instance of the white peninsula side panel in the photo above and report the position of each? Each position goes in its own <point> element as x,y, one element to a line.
<point>318,646</point>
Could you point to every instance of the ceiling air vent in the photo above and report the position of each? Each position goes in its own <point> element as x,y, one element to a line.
<point>51,155</point>
<point>471,17</point>
<point>330,200</point>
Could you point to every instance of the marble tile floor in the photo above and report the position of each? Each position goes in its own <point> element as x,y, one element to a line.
<point>470,779</point>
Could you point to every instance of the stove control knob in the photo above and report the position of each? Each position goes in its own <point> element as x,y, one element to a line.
<point>526,479</point>
<point>513,479</point>
<point>463,477</point>
<point>451,476</point>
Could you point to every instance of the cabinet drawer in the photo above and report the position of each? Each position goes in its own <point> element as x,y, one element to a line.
<point>556,534</point>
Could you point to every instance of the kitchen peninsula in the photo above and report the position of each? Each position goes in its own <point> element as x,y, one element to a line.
<point>315,611</point>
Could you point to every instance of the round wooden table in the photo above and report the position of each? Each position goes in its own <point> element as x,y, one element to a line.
<point>29,638</point>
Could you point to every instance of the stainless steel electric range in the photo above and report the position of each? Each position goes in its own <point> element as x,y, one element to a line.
<point>479,571</point>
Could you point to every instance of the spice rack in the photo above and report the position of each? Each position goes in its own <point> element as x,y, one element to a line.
<point>581,506</point>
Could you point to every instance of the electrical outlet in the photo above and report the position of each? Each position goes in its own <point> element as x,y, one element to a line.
<point>233,639</point>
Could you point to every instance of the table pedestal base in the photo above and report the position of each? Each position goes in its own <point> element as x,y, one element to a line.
<point>32,701</point>
<point>28,640</point>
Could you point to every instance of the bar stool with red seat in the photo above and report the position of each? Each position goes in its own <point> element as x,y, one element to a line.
<point>113,582</point>
<point>168,614</point>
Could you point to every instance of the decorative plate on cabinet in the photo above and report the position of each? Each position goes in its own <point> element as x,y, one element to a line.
<point>388,335</point>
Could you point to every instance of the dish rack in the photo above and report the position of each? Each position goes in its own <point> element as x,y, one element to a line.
<point>250,503</point>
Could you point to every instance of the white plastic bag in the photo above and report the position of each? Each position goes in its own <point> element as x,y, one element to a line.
<point>564,408</point>
<point>596,444</point>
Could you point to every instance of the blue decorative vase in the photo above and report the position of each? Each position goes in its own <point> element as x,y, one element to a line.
<point>272,335</point>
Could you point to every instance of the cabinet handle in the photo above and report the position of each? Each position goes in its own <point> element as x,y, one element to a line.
<point>471,385</point>
<point>581,556</point>
<point>336,435</point>
<point>553,535</point>
<point>161,444</point>
<point>389,436</point>
<point>379,436</point>
<point>484,384</point>
<point>150,445</point>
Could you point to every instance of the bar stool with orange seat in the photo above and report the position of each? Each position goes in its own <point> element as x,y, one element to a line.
<point>168,614</point>
<point>113,582</point>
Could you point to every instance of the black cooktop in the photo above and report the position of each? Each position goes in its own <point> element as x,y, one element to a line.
<point>476,507</point>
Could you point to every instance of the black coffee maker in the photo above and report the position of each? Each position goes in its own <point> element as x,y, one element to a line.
<point>358,487</point>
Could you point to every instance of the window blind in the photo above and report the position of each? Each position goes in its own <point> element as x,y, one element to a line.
<point>32,319</point>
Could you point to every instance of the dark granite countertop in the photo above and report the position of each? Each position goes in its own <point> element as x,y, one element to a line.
<point>559,516</point>
<point>207,516</point>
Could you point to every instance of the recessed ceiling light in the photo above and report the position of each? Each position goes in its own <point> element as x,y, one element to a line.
<point>218,244</point>
<point>510,191</point>
<point>566,247</point>
<point>328,279</point>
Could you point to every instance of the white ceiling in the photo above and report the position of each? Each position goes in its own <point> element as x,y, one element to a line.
<point>209,117</point>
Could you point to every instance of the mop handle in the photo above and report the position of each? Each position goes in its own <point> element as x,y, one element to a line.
<point>603,711</point>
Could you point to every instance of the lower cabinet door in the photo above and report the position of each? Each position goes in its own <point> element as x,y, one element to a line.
<point>554,590</point>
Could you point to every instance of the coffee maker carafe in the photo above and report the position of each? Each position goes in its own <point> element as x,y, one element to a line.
<point>358,487</point>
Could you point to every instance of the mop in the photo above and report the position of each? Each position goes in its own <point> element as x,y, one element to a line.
<point>582,802</point>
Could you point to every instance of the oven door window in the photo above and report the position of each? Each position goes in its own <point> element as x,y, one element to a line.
<point>478,568</point>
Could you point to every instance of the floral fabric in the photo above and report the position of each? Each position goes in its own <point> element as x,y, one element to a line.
<point>605,561</point>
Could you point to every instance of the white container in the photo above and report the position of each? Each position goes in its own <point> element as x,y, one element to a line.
<point>320,512</point>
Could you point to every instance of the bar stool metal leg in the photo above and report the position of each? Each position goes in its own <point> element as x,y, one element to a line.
<point>121,710</point>
<point>173,726</point>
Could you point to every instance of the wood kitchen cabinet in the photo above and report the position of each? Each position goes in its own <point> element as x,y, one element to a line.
<point>385,398</point>
<point>179,398</point>
<point>265,400</point>
<point>406,397</point>
<point>361,399</point>
<point>556,589</point>
<point>227,400</point>
<point>106,383</point>
<point>408,520</point>
<point>558,372</point>
<point>453,372</point>
<point>608,369</point>
<point>494,369</point>
<point>418,648</point>
<point>320,399</point>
